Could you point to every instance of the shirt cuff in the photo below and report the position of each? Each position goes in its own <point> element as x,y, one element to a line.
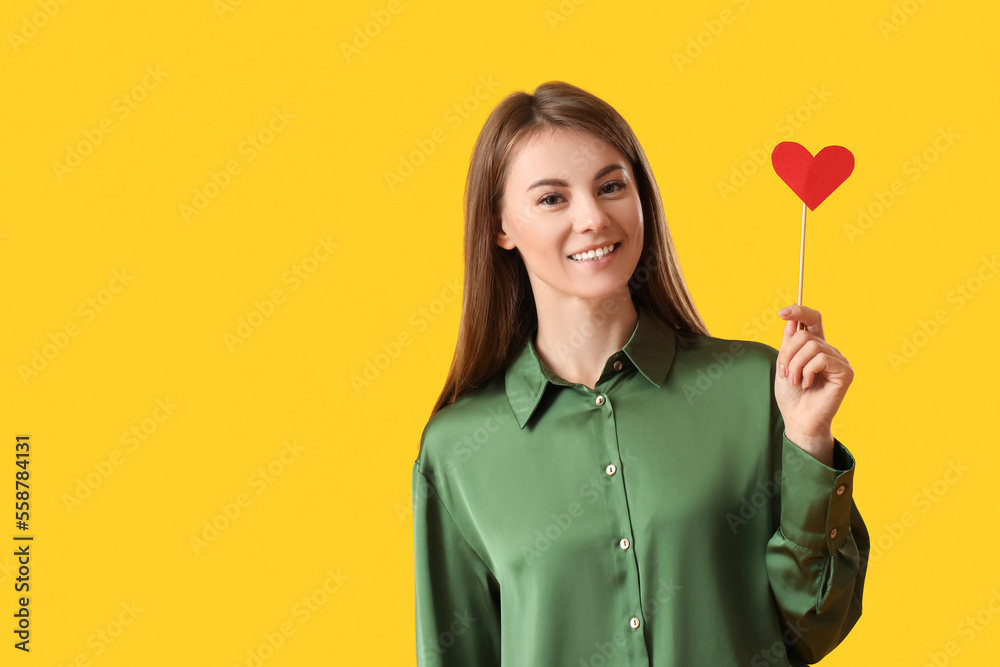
<point>816,498</point>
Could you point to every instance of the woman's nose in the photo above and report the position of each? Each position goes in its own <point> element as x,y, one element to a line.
<point>589,215</point>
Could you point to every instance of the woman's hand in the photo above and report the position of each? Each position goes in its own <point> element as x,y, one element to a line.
<point>812,378</point>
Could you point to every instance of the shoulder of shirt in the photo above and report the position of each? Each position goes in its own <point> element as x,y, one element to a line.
<point>703,348</point>
<point>480,408</point>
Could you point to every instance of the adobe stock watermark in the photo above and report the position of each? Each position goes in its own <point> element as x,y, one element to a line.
<point>249,148</point>
<point>364,34</point>
<point>563,11</point>
<point>713,29</point>
<point>104,468</point>
<point>259,481</point>
<point>760,497</point>
<point>706,376</point>
<point>464,449</point>
<point>472,442</point>
<point>30,25</point>
<point>786,127</point>
<point>303,611</point>
<point>755,327</point>
<point>453,117</point>
<point>959,296</point>
<point>295,276</point>
<point>580,333</point>
<point>606,651</point>
<point>968,629</point>
<point>59,340</point>
<point>223,7</point>
<point>914,167</point>
<point>417,496</point>
<point>898,17</point>
<point>446,638</point>
<point>122,107</point>
<point>777,652</point>
<point>923,501</point>
<point>419,320</point>
<point>546,536</point>
<point>107,635</point>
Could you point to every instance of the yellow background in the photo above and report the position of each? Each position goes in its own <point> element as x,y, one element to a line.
<point>340,503</point>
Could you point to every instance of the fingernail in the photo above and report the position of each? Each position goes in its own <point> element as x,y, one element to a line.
<point>781,370</point>
<point>784,311</point>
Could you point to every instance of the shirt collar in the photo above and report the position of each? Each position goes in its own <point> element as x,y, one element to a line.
<point>650,349</point>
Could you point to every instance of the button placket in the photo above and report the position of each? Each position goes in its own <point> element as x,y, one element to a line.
<point>619,505</point>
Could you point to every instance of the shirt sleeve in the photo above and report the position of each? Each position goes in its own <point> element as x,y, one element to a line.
<point>818,555</point>
<point>457,596</point>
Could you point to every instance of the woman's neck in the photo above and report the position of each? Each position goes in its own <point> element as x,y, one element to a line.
<point>575,338</point>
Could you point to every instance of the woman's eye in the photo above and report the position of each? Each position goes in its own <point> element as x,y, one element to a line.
<point>553,199</point>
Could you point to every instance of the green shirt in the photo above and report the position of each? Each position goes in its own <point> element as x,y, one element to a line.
<point>662,518</point>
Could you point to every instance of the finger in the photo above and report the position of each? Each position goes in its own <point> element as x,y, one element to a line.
<point>793,340</point>
<point>813,369</point>
<point>822,366</point>
<point>805,351</point>
<point>784,348</point>
<point>810,318</point>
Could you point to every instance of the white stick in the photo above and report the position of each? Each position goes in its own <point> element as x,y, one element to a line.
<point>802,260</point>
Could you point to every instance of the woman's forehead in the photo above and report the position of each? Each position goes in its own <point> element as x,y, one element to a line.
<point>564,149</point>
<point>559,135</point>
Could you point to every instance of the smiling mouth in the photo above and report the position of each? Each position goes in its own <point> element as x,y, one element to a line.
<point>595,254</point>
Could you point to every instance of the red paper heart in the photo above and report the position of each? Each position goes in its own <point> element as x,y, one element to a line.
<point>813,179</point>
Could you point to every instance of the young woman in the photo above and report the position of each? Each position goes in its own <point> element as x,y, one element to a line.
<point>601,482</point>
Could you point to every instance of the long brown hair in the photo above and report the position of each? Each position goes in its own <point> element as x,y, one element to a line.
<point>498,307</point>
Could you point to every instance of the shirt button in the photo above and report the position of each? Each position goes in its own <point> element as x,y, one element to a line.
<point>611,469</point>
<point>840,490</point>
<point>600,400</point>
<point>618,365</point>
<point>833,533</point>
<point>634,622</point>
<point>624,543</point>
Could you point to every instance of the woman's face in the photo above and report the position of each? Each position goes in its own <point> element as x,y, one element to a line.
<point>570,192</point>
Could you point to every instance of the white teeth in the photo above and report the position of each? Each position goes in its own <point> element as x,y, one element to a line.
<point>593,254</point>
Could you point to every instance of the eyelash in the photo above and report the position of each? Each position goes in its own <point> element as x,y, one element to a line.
<point>620,183</point>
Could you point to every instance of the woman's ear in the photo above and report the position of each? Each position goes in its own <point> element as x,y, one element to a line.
<point>503,240</point>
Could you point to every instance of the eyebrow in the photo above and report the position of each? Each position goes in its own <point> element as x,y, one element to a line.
<point>561,183</point>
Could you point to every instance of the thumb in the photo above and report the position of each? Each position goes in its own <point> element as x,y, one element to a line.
<point>788,331</point>
<point>783,354</point>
